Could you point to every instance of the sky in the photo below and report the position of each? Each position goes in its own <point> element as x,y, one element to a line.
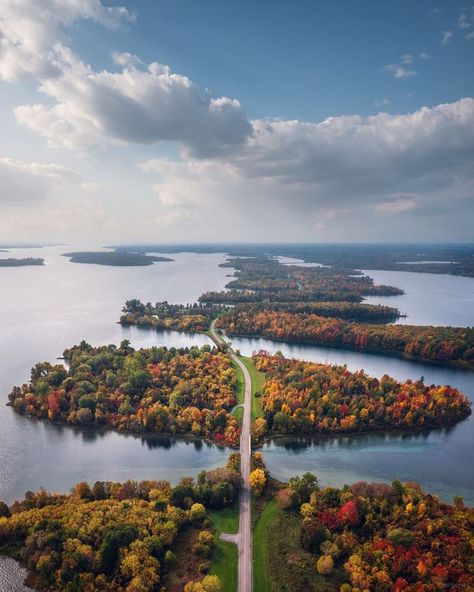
<point>182,121</point>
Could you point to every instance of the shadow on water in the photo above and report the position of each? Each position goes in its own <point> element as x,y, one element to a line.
<point>295,443</point>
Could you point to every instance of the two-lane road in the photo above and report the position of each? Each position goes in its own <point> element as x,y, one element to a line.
<point>244,536</point>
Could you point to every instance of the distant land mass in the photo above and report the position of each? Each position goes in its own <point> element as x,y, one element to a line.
<point>12,262</point>
<point>451,259</point>
<point>120,259</point>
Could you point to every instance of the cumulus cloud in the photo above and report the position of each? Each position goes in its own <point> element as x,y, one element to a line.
<point>30,33</point>
<point>140,105</point>
<point>30,181</point>
<point>334,163</point>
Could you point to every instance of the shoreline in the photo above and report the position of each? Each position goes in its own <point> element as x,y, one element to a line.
<point>351,434</point>
<point>376,352</point>
<point>105,429</point>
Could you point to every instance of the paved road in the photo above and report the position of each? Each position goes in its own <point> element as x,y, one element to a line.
<point>243,539</point>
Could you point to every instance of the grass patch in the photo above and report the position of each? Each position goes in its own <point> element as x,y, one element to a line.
<point>227,519</point>
<point>238,413</point>
<point>261,563</point>
<point>224,558</point>
<point>224,564</point>
<point>258,378</point>
<point>239,387</point>
<point>279,562</point>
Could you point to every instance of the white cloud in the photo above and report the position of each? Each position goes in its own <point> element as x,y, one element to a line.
<point>396,206</point>
<point>446,37</point>
<point>135,105</point>
<point>125,59</point>
<point>30,181</point>
<point>425,56</point>
<point>466,18</point>
<point>174,217</point>
<point>334,163</point>
<point>382,102</point>
<point>30,33</point>
<point>399,70</point>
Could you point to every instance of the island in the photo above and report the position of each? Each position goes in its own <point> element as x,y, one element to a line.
<point>163,316</point>
<point>262,278</point>
<point>188,391</point>
<point>366,536</point>
<point>114,258</point>
<point>23,262</point>
<point>123,537</point>
<point>299,397</point>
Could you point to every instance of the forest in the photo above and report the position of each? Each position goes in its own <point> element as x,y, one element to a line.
<point>114,258</point>
<point>453,345</point>
<point>349,311</point>
<point>386,538</point>
<point>309,398</point>
<point>174,391</point>
<point>17,262</point>
<point>264,279</point>
<point>120,537</point>
<point>163,316</point>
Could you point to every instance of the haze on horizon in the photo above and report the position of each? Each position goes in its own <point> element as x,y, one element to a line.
<point>231,122</point>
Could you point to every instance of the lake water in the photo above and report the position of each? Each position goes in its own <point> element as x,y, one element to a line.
<point>429,299</point>
<point>46,309</point>
<point>441,460</point>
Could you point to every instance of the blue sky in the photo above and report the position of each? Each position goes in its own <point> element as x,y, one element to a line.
<point>307,59</point>
<point>114,149</point>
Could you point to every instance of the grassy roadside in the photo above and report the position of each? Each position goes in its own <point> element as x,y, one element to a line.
<point>240,383</point>
<point>258,378</point>
<point>224,558</point>
<point>261,565</point>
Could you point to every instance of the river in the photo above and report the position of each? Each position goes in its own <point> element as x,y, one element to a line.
<point>46,309</point>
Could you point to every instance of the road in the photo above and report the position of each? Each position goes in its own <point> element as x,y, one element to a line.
<point>243,539</point>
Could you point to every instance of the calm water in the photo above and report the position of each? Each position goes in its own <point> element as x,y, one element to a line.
<point>441,460</point>
<point>429,299</point>
<point>46,309</point>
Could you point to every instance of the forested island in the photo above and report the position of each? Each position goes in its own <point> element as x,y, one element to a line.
<point>454,259</point>
<point>453,345</point>
<point>15,262</point>
<point>121,537</point>
<point>309,398</point>
<point>367,536</point>
<point>264,279</point>
<point>164,316</point>
<point>114,258</point>
<point>159,390</point>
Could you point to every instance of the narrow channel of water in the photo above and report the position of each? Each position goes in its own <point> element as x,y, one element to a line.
<point>441,460</point>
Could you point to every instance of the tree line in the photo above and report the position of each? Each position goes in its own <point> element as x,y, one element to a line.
<point>120,537</point>
<point>439,344</point>
<point>306,397</point>
<point>164,316</point>
<point>177,391</point>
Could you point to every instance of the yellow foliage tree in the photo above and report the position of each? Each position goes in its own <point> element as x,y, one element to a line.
<point>257,481</point>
